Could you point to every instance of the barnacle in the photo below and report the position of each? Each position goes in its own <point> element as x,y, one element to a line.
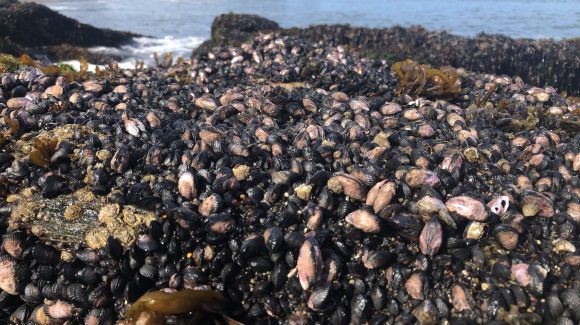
<point>418,79</point>
<point>152,307</point>
<point>43,150</point>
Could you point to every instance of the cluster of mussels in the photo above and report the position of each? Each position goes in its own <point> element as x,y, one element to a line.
<point>291,178</point>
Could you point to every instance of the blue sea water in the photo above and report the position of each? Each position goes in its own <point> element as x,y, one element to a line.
<point>179,25</point>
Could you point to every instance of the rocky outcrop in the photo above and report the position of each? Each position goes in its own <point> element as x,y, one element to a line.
<point>31,24</point>
<point>539,62</point>
<point>234,29</point>
<point>58,52</point>
<point>9,47</point>
<point>43,33</point>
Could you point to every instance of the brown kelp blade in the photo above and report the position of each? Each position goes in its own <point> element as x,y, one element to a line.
<point>420,80</point>
<point>199,302</point>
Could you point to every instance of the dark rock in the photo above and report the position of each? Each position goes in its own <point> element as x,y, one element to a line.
<point>64,52</point>
<point>234,29</point>
<point>9,47</point>
<point>237,28</point>
<point>32,24</point>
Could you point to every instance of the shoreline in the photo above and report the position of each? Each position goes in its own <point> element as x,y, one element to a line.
<point>542,62</point>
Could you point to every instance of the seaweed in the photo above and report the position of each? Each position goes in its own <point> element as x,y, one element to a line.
<point>61,69</point>
<point>481,101</point>
<point>412,77</point>
<point>443,82</point>
<point>139,65</point>
<point>60,106</point>
<point>83,69</point>
<point>65,68</point>
<point>43,150</point>
<point>8,63</point>
<point>13,128</point>
<point>530,120</point>
<point>164,62</point>
<point>25,59</point>
<point>378,55</point>
<point>80,75</point>
<point>421,80</point>
<point>206,306</point>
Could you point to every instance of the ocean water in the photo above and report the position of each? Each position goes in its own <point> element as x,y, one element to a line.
<point>177,26</point>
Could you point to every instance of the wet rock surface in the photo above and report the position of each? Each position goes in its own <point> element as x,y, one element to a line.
<point>296,180</point>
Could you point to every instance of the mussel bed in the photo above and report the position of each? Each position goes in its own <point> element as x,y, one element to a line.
<point>295,180</point>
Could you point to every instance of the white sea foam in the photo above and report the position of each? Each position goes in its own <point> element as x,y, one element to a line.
<point>143,48</point>
<point>77,65</point>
